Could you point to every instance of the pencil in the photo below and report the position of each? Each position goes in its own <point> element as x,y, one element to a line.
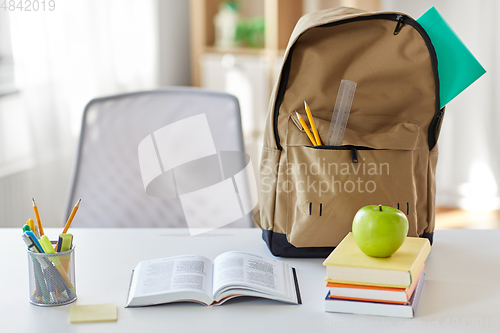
<point>37,217</point>
<point>71,216</point>
<point>313,125</point>
<point>308,132</point>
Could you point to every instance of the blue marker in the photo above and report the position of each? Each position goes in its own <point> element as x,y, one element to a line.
<point>38,246</point>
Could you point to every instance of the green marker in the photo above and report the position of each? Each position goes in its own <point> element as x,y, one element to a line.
<point>65,242</point>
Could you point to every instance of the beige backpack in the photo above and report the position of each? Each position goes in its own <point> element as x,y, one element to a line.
<point>309,195</point>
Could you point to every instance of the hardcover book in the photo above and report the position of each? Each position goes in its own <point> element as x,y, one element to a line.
<point>375,308</point>
<point>373,293</point>
<point>348,264</point>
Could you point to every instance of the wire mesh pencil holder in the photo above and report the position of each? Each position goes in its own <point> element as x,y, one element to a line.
<point>52,278</point>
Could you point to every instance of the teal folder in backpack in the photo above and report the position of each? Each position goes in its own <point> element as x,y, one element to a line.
<point>457,66</point>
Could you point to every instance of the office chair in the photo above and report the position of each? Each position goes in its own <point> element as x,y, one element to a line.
<point>124,174</point>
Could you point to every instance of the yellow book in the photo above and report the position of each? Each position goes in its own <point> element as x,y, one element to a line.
<point>348,264</point>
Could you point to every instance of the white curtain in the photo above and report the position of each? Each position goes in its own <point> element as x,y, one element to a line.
<point>84,49</point>
<point>62,59</point>
<point>468,173</point>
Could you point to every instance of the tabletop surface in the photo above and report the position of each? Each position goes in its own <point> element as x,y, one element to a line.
<point>461,290</point>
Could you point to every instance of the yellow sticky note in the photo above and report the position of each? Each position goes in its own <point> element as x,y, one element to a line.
<point>93,313</point>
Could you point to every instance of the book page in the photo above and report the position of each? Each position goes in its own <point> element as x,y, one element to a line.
<point>238,270</point>
<point>172,275</point>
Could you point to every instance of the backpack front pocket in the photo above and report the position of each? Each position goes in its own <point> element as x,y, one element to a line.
<point>327,185</point>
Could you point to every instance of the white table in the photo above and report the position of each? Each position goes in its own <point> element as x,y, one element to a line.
<point>461,292</point>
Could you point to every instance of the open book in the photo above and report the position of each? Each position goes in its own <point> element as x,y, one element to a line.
<point>197,279</point>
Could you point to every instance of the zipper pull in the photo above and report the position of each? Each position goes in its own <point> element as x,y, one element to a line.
<point>400,24</point>
<point>434,128</point>
<point>354,155</point>
<point>438,122</point>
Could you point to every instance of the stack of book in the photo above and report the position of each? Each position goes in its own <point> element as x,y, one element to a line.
<point>361,284</point>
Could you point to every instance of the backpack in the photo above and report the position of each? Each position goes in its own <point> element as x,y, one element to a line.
<point>309,195</point>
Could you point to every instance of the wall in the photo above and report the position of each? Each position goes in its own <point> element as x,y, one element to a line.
<point>174,67</point>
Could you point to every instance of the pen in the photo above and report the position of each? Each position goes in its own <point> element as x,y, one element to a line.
<point>50,287</point>
<point>48,280</point>
<point>72,215</point>
<point>36,292</point>
<point>39,280</point>
<point>313,125</point>
<point>36,245</point>
<point>59,281</point>
<point>308,132</point>
<point>37,216</point>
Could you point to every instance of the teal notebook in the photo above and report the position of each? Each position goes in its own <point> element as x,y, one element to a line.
<point>457,67</point>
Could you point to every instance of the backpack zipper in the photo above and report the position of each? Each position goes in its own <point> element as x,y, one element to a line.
<point>353,149</point>
<point>354,153</point>
<point>402,20</point>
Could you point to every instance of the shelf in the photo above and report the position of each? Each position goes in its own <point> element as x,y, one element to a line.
<point>280,19</point>
<point>235,50</point>
<point>243,51</point>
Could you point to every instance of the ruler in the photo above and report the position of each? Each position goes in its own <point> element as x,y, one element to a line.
<point>341,113</point>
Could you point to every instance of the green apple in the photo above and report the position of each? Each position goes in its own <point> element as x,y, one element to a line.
<point>379,231</point>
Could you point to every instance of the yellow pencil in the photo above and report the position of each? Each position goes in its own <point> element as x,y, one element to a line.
<point>308,132</point>
<point>37,217</point>
<point>72,215</point>
<point>313,125</point>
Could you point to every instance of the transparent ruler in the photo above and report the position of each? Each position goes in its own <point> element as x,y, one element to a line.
<point>341,113</point>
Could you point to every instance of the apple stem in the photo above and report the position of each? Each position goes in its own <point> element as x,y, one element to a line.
<point>380,207</point>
